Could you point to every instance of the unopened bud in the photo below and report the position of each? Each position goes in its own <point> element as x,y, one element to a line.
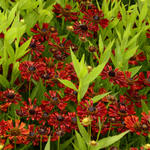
<point>93,143</point>
<point>87,121</point>
<point>147,146</point>
<point>89,68</point>
<point>70,28</point>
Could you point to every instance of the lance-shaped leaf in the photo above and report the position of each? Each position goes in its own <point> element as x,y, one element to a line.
<point>68,84</point>
<point>98,97</point>
<point>4,82</point>
<point>105,142</point>
<point>134,70</point>
<point>144,107</point>
<point>83,132</point>
<point>47,147</point>
<point>94,73</point>
<point>76,63</point>
<point>81,143</point>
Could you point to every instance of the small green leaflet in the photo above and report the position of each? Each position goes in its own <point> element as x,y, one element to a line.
<point>98,97</point>
<point>68,84</point>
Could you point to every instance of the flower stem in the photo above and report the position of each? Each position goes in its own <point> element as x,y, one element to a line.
<point>41,142</point>
<point>58,143</point>
<point>15,142</point>
<point>29,88</point>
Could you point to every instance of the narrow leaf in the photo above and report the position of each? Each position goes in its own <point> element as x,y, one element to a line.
<point>68,84</point>
<point>83,132</point>
<point>144,107</point>
<point>47,147</point>
<point>134,70</point>
<point>81,142</point>
<point>105,142</point>
<point>98,97</point>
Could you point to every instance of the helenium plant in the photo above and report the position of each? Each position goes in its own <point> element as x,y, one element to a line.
<point>74,74</point>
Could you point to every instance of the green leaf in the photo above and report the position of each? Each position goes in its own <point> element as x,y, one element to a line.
<point>105,142</point>
<point>81,142</point>
<point>66,143</point>
<point>15,73</point>
<point>134,70</point>
<point>12,15</point>
<point>76,64</point>
<point>83,132</point>
<point>130,52</point>
<point>4,82</point>
<point>83,69</point>
<point>98,97</point>
<point>94,73</point>
<point>144,107</point>
<point>68,84</point>
<point>47,147</point>
<point>38,92</point>
<point>83,87</point>
<point>11,34</point>
<point>75,147</point>
<point>143,12</point>
<point>22,50</point>
<point>101,45</point>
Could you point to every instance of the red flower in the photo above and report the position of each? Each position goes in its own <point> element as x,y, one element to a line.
<point>115,77</point>
<point>134,97</point>
<point>83,28</point>
<point>4,107</point>
<point>145,81</point>
<point>132,82</point>
<point>66,12</point>
<point>61,49</point>
<point>31,111</point>
<point>16,132</point>
<point>70,95</point>
<point>10,96</point>
<point>97,18</point>
<point>54,100</point>
<point>137,58</point>
<point>133,124</point>
<point>35,47</point>
<point>32,69</point>
<point>87,108</point>
<point>43,34</point>
<point>145,123</point>
<point>119,110</point>
<point>59,121</point>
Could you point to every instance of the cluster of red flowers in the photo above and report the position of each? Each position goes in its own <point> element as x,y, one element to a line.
<point>56,113</point>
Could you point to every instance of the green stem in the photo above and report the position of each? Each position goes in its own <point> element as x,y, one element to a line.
<point>100,128</point>
<point>109,129</point>
<point>41,142</point>
<point>58,143</point>
<point>63,22</point>
<point>29,88</point>
<point>15,142</point>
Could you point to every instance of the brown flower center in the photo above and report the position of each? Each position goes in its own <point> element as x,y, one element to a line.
<point>60,118</point>
<point>111,73</point>
<point>10,95</point>
<point>15,132</point>
<point>91,109</point>
<point>32,68</point>
<point>83,27</point>
<point>32,111</point>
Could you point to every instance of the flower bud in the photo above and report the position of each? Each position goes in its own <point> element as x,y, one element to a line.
<point>70,28</point>
<point>86,121</point>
